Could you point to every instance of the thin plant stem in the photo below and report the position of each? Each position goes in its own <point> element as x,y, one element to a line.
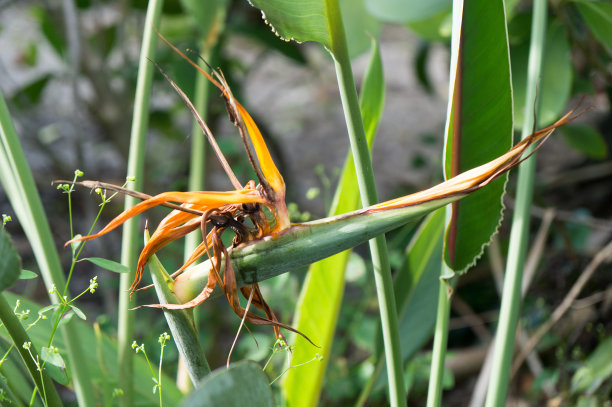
<point>369,196</point>
<point>519,235</point>
<point>135,169</point>
<point>434,391</point>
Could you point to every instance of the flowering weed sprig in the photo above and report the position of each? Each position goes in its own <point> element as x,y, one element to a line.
<point>5,219</point>
<point>163,338</point>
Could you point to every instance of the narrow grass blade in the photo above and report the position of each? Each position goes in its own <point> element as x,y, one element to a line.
<point>135,168</point>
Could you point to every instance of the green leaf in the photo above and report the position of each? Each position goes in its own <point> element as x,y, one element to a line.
<point>403,11</point>
<point>554,88</point>
<point>75,245</point>
<point>299,21</point>
<point>585,139</point>
<point>31,92</point>
<point>359,26</point>
<point>416,284</point>
<point>596,369</point>
<point>27,275</point>
<point>50,29</point>
<point>200,12</point>
<point>598,16</point>
<point>316,314</point>
<point>10,263</point>
<point>242,384</point>
<point>484,129</point>
<point>78,312</point>
<point>434,28</point>
<point>109,265</point>
<point>55,365</point>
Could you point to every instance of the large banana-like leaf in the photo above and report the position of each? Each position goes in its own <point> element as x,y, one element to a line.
<point>310,20</point>
<point>480,127</point>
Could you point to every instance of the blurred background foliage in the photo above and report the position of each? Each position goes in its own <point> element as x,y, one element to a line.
<point>69,71</point>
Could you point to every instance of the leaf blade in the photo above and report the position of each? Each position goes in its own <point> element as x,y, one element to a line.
<point>10,263</point>
<point>482,127</point>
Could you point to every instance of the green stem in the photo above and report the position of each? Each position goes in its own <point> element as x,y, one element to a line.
<point>519,235</point>
<point>135,168</point>
<point>43,382</point>
<point>197,162</point>
<point>367,188</point>
<point>19,185</point>
<point>434,391</point>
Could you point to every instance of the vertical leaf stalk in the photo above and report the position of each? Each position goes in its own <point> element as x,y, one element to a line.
<point>434,390</point>
<point>19,185</point>
<point>135,168</point>
<point>519,235</point>
<point>367,189</point>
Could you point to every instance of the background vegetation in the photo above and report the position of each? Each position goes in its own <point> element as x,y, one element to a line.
<point>69,74</point>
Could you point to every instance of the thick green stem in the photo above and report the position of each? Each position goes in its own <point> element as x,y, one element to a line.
<point>519,235</point>
<point>367,188</point>
<point>135,168</point>
<point>43,382</point>
<point>19,185</point>
<point>180,322</point>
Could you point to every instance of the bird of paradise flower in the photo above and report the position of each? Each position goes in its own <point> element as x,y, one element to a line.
<point>261,240</point>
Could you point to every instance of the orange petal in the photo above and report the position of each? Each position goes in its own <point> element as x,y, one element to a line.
<point>273,176</point>
<point>476,177</point>
<point>205,200</point>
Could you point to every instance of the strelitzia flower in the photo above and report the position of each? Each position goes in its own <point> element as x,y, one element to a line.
<point>266,244</point>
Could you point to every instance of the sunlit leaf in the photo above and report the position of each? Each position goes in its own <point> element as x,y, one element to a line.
<point>27,275</point>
